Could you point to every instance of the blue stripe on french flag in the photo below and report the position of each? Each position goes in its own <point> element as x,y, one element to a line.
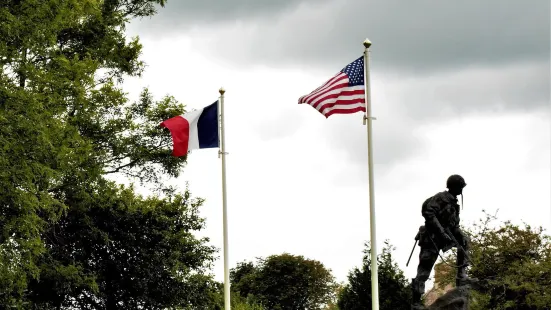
<point>194,130</point>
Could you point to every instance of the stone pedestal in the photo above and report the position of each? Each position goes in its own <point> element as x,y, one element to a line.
<point>455,299</point>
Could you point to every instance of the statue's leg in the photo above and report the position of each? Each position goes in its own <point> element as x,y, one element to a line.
<point>462,260</point>
<point>427,258</point>
<point>463,241</point>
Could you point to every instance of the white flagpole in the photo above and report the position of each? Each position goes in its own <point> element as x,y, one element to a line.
<point>222,152</point>
<point>368,117</point>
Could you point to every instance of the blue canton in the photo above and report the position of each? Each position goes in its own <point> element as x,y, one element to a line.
<point>355,72</point>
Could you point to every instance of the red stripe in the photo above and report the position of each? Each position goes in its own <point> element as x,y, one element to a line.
<point>332,81</point>
<point>342,102</point>
<point>315,100</point>
<point>179,129</point>
<point>339,83</point>
<point>344,111</point>
<point>343,94</point>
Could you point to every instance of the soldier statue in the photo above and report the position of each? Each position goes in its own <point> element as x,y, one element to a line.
<point>441,232</point>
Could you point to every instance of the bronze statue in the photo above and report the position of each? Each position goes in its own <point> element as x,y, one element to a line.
<point>441,232</point>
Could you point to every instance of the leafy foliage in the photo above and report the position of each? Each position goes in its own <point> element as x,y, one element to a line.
<point>67,235</point>
<point>394,290</point>
<point>115,248</point>
<point>284,282</point>
<point>237,301</point>
<point>513,263</point>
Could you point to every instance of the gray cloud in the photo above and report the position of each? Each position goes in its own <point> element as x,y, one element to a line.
<point>280,124</point>
<point>394,140</point>
<point>520,87</point>
<point>404,107</point>
<point>417,37</point>
<point>183,15</point>
<point>431,61</point>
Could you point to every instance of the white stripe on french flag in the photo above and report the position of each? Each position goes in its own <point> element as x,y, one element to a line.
<point>194,130</point>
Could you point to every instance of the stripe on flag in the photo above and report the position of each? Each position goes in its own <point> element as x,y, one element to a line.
<point>344,93</point>
<point>194,130</point>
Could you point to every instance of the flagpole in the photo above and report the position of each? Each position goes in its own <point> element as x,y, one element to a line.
<point>222,152</point>
<point>369,118</point>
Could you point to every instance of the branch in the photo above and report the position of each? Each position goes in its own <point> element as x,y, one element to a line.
<point>105,162</point>
<point>22,75</point>
<point>123,166</point>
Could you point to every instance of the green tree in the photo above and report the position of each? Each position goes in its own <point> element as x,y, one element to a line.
<point>284,282</point>
<point>243,279</point>
<point>66,125</point>
<point>116,250</point>
<point>513,264</point>
<point>394,290</point>
<point>237,302</point>
<point>333,304</point>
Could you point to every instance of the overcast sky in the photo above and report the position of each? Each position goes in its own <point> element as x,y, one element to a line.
<point>457,87</point>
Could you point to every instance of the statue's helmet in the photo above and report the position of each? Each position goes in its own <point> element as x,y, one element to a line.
<point>455,181</point>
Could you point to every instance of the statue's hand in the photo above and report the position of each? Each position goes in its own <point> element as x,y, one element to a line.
<point>464,239</point>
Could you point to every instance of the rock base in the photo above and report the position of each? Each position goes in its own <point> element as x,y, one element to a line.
<point>455,299</point>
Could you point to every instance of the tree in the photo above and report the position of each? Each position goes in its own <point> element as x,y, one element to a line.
<point>394,289</point>
<point>513,264</point>
<point>284,282</point>
<point>237,301</point>
<point>333,304</point>
<point>116,250</point>
<point>65,126</point>
<point>244,279</point>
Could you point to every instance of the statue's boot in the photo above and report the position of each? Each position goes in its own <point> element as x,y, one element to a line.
<point>463,279</point>
<point>417,289</point>
<point>418,306</point>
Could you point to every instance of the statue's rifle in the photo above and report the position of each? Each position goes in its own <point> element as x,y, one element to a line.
<point>459,247</point>
<point>448,232</point>
<point>417,237</point>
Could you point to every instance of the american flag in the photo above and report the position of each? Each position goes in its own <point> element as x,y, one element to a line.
<point>344,93</point>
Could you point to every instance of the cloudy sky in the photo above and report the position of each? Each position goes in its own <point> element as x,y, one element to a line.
<point>458,87</point>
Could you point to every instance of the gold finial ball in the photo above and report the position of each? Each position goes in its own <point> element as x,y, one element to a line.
<point>222,91</point>
<point>367,43</point>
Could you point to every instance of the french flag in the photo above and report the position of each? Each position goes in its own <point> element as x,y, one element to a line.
<point>194,130</point>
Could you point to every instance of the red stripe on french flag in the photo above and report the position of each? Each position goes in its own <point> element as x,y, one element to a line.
<point>179,129</point>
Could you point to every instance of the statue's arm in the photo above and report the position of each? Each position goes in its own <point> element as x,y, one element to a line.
<point>429,213</point>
